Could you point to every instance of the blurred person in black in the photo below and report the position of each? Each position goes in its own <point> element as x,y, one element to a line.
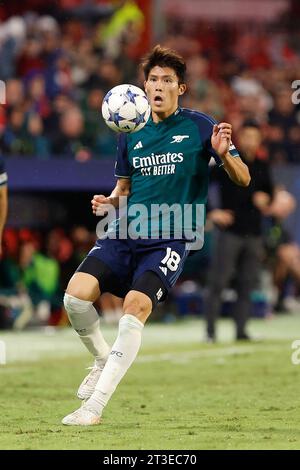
<point>239,245</point>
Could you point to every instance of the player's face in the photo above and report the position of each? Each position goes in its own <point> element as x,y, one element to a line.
<point>163,90</point>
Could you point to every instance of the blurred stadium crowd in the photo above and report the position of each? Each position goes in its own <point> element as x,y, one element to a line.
<point>57,73</point>
<point>57,68</point>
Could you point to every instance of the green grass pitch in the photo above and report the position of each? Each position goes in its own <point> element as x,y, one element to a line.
<point>179,394</point>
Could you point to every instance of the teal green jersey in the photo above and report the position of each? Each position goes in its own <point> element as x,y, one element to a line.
<point>167,164</point>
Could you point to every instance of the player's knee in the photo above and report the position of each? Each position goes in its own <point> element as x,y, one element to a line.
<point>138,304</point>
<point>77,292</point>
<point>84,286</point>
<point>81,314</point>
<point>74,305</point>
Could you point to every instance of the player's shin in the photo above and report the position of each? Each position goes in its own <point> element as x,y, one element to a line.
<point>85,321</point>
<point>122,355</point>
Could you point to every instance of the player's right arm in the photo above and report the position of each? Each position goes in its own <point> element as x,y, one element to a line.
<point>100,203</point>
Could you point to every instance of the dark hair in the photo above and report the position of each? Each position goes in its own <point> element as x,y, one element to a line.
<point>164,57</point>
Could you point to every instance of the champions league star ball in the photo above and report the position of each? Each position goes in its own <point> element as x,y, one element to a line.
<point>125,108</point>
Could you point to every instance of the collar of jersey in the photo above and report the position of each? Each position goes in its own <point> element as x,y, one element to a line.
<point>165,121</point>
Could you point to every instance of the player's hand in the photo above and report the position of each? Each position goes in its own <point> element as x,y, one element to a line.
<point>221,138</point>
<point>100,204</point>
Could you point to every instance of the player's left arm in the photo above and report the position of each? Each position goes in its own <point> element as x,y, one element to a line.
<point>234,166</point>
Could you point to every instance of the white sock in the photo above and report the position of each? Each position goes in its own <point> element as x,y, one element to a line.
<point>85,321</point>
<point>122,355</point>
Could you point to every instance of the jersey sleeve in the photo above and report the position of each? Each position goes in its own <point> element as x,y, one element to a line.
<point>3,175</point>
<point>122,168</point>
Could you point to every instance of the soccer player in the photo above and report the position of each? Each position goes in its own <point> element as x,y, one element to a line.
<point>3,200</point>
<point>165,162</point>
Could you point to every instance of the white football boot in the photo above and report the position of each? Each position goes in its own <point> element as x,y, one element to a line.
<point>87,386</point>
<point>84,416</point>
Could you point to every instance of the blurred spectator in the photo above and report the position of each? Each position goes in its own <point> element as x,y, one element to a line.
<point>126,25</point>
<point>204,92</point>
<point>60,104</point>
<point>253,100</point>
<point>38,102</point>
<point>13,139</point>
<point>283,132</point>
<point>83,242</point>
<point>35,271</point>
<point>12,34</point>
<point>239,246</point>
<point>40,277</point>
<point>30,59</point>
<point>101,141</point>
<point>14,93</point>
<point>283,252</point>
<point>29,284</point>
<point>38,145</point>
<point>71,140</point>
<point>107,75</point>
<point>59,76</point>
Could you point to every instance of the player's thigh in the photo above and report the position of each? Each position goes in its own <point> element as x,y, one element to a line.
<point>83,286</point>
<point>105,277</point>
<point>106,268</point>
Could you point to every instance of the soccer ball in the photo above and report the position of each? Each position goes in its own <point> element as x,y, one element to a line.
<point>125,108</point>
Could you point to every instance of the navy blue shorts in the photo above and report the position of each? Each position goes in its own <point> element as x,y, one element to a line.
<point>130,259</point>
